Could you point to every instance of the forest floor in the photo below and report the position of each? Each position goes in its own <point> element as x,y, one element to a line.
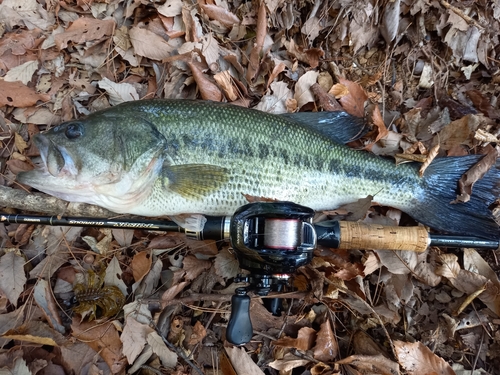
<point>423,73</point>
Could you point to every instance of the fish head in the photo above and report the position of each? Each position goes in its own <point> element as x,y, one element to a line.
<point>104,159</point>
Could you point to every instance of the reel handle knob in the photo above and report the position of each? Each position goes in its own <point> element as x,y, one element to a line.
<point>239,329</point>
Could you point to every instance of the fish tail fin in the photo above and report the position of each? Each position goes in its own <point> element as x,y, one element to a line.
<point>472,218</point>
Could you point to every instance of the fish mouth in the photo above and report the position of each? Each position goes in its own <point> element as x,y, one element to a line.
<point>56,159</point>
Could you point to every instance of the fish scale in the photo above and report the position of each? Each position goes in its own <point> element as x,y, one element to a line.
<point>169,157</point>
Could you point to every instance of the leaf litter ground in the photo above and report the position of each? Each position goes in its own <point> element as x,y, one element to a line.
<point>424,74</point>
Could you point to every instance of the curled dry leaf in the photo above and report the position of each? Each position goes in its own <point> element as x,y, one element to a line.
<point>288,363</point>
<point>303,94</point>
<point>326,348</point>
<point>208,89</point>
<point>36,333</point>
<point>372,364</point>
<point>304,341</point>
<point>354,102</point>
<point>220,14</point>
<point>476,172</point>
<point>44,298</point>
<point>241,361</point>
<point>417,359</point>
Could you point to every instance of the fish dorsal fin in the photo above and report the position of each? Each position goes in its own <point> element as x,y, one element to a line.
<point>195,180</point>
<point>340,127</point>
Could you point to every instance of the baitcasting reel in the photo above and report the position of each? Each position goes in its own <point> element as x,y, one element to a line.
<point>271,240</point>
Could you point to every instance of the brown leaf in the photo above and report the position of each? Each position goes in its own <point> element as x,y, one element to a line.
<point>255,53</point>
<point>45,300</point>
<point>303,94</point>
<point>16,94</point>
<point>355,211</point>
<point>168,357</point>
<point>224,81</point>
<point>475,173</point>
<point>417,359</point>
<point>288,363</point>
<point>171,292</point>
<point>104,339</point>
<point>354,102</point>
<point>326,348</point>
<point>194,266</point>
<point>37,333</point>
<point>304,340</point>
<point>226,265</point>
<point>12,276</point>
<point>148,44</point>
<point>141,264</point>
<point>378,121</point>
<point>372,364</point>
<point>133,338</point>
<point>208,89</point>
<point>325,99</point>
<point>220,14</point>
<point>482,103</point>
<point>458,131</point>
<point>242,362</point>
<point>84,30</point>
<point>198,334</point>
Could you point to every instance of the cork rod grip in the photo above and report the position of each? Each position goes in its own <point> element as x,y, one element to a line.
<point>379,237</point>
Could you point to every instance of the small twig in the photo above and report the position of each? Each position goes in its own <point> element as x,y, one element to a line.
<point>285,320</point>
<point>460,13</point>
<point>476,358</point>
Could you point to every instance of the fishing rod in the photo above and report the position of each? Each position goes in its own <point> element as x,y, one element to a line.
<point>334,234</point>
<point>272,240</point>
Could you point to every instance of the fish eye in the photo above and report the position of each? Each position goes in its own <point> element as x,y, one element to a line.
<point>74,130</point>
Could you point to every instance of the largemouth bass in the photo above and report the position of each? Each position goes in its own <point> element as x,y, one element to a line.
<point>169,157</point>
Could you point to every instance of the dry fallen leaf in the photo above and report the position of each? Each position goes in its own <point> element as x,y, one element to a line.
<point>326,348</point>
<point>104,339</point>
<point>141,264</point>
<point>168,358</point>
<point>208,90</point>
<point>194,266</point>
<point>354,102</point>
<point>16,94</point>
<point>12,276</point>
<point>241,361</point>
<point>133,338</point>
<point>476,172</point>
<point>417,359</point>
<point>304,341</point>
<point>303,95</point>
<point>85,30</point>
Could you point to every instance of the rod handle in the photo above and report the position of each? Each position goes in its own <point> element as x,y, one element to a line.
<point>355,235</point>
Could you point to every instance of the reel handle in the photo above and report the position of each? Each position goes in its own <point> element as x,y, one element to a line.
<point>239,330</point>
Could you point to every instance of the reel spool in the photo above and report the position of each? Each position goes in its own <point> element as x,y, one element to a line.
<point>271,240</point>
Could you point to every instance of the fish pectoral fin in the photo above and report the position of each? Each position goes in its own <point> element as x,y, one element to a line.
<point>195,180</point>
